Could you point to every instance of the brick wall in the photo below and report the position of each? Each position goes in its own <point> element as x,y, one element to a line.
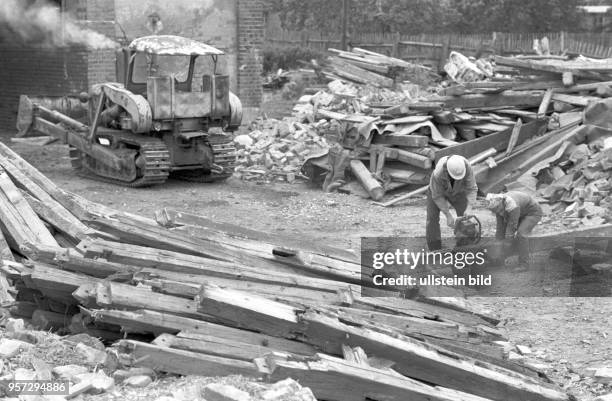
<point>101,63</point>
<point>250,42</point>
<point>38,71</point>
<point>30,69</point>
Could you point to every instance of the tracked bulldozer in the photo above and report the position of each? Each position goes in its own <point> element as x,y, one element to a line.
<point>154,123</point>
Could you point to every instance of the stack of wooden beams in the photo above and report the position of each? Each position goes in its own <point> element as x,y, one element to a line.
<point>188,295</point>
<point>365,67</point>
<point>401,140</point>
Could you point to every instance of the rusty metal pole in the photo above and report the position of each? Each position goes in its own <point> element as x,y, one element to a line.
<point>344,24</point>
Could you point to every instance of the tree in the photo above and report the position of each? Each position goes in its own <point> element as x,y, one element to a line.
<point>431,16</point>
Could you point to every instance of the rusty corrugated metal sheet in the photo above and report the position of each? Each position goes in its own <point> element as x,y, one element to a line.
<point>172,45</point>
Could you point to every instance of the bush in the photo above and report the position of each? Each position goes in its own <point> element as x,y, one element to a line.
<point>288,58</point>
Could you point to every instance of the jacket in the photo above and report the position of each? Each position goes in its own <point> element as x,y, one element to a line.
<point>516,206</point>
<point>441,188</point>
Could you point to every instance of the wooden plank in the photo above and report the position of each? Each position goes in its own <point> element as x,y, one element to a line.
<point>183,362</point>
<point>193,265</point>
<point>413,141</point>
<point>220,231</point>
<point>482,101</point>
<point>40,180</point>
<point>411,326</point>
<point>5,254</point>
<point>413,308</point>
<point>254,339</point>
<point>556,66</point>
<point>337,379</point>
<point>248,311</point>
<point>543,109</point>
<point>254,254</point>
<point>498,141</point>
<point>23,212</point>
<point>582,101</point>
<point>183,287</point>
<point>223,347</point>
<point>515,165</point>
<point>65,220</point>
<point>342,67</point>
<point>404,197</point>
<point>409,158</point>
<point>516,130</point>
<point>131,232</point>
<point>58,284</point>
<point>427,363</point>
<point>407,176</point>
<point>71,260</point>
<point>56,218</point>
<point>116,295</point>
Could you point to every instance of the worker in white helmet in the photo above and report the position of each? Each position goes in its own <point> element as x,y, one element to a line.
<point>453,184</point>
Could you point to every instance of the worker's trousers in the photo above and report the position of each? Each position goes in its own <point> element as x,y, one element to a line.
<point>521,242</point>
<point>432,228</point>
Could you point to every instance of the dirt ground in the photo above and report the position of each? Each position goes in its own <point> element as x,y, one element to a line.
<point>566,335</point>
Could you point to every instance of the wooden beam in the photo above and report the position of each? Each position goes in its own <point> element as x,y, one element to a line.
<point>39,179</point>
<point>337,379</point>
<point>515,165</point>
<point>244,310</point>
<point>366,179</point>
<point>116,295</point>
<point>5,288</point>
<point>498,141</point>
<point>18,212</point>
<point>427,363</point>
<point>220,231</point>
<point>224,347</point>
<point>410,141</point>
<point>189,267</point>
<point>480,101</point>
<point>581,101</point>
<point>409,158</point>
<point>183,362</point>
<point>188,286</point>
<point>516,130</point>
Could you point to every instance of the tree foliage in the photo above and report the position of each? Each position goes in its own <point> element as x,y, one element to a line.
<point>430,16</point>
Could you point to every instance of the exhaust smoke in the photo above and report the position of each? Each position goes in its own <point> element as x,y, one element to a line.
<point>44,23</point>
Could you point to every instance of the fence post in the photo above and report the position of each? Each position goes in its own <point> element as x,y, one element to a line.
<point>444,52</point>
<point>396,45</point>
<point>562,39</point>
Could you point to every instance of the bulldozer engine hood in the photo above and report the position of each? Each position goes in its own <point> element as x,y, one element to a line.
<point>171,45</point>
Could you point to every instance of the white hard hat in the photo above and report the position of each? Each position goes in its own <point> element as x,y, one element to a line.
<point>455,165</point>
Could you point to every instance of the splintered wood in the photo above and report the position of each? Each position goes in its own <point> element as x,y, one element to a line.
<point>220,299</point>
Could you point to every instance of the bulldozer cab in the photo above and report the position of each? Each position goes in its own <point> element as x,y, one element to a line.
<point>162,67</point>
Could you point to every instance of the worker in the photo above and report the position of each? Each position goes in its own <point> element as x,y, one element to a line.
<point>452,184</point>
<point>517,214</point>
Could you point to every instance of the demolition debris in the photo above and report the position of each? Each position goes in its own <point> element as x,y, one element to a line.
<point>186,295</point>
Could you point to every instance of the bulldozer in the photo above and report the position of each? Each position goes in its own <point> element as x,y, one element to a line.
<point>155,122</point>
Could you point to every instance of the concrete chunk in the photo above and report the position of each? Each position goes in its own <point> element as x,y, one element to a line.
<point>10,348</point>
<point>224,392</point>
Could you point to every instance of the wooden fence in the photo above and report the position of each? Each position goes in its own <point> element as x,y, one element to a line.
<point>428,48</point>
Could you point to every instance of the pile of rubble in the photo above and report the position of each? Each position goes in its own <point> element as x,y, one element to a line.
<point>500,115</point>
<point>186,295</point>
<point>276,149</point>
